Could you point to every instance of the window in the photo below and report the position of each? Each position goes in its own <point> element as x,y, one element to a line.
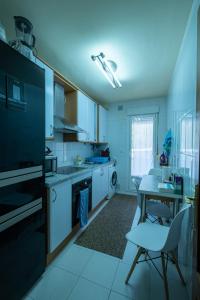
<point>143,144</point>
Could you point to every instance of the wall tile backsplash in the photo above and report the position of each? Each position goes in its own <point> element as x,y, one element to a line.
<point>66,152</point>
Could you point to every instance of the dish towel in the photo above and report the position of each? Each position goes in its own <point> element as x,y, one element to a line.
<point>83,207</point>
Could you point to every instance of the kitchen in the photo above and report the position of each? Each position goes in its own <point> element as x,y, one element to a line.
<point>70,163</point>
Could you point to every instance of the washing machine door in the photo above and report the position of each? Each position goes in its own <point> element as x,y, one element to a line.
<point>114,179</point>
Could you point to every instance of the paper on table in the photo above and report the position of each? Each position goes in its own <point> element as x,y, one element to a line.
<point>166,187</point>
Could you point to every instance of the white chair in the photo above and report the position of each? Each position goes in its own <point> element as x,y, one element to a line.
<point>158,238</point>
<point>153,208</point>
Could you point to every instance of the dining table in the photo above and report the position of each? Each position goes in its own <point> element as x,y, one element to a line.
<point>149,190</point>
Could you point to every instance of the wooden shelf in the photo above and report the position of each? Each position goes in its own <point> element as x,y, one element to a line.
<point>68,86</point>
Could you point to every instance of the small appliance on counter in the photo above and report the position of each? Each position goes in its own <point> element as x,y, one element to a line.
<point>50,165</point>
<point>78,161</point>
<point>25,40</point>
<point>105,153</point>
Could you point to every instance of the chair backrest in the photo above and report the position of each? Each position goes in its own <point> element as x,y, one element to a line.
<point>175,230</point>
<point>136,182</point>
<point>155,171</point>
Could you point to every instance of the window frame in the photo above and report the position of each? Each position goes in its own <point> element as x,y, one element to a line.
<point>155,141</point>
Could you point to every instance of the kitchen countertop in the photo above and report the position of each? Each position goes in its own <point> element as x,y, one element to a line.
<point>58,178</point>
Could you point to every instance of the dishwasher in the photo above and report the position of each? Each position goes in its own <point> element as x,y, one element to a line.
<point>76,188</point>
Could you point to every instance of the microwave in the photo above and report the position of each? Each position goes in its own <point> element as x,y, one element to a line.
<point>50,165</point>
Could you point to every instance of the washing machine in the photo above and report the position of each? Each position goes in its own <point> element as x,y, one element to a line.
<point>112,180</point>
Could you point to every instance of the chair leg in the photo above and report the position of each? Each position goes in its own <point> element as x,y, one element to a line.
<point>178,268</point>
<point>140,220</point>
<point>165,276</point>
<point>140,250</point>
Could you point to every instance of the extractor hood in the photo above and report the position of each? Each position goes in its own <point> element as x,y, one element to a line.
<point>63,126</point>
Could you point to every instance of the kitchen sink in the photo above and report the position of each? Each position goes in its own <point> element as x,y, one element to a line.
<point>69,170</point>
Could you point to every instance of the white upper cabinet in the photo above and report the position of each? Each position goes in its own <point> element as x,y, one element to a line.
<point>82,116</point>
<point>49,98</point>
<point>103,116</point>
<point>59,101</point>
<point>92,120</point>
<point>82,111</point>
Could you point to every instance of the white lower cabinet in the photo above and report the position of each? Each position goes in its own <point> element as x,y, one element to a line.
<point>99,185</point>
<point>60,208</point>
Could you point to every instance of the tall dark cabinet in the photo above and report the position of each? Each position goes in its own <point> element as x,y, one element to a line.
<point>22,147</point>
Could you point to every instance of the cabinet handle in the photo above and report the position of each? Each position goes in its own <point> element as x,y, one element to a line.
<point>51,129</point>
<point>54,191</point>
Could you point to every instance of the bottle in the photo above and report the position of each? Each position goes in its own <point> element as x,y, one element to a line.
<point>163,160</point>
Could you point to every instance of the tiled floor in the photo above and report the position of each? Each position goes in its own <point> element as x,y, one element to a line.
<point>84,274</point>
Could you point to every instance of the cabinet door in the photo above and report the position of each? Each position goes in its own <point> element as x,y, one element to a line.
<point>102,124</point>
<point>92,112</point>
<point>59,101</point>
<point>82,116</point>
<point>49,95</point>
<point>104,181</point>
<point>60,214</point>
<point>96,187</point>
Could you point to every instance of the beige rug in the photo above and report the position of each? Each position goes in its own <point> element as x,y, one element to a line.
<point>107,231</point>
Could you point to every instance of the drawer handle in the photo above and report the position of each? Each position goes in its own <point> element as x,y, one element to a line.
<point>55,198</point>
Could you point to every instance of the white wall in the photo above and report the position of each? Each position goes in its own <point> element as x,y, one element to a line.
<point>182,94</point>
<point>182,100</point>
<point>118,132</point>
<point>66,152</point>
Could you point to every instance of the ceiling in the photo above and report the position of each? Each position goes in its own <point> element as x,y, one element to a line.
<point>142,36</point>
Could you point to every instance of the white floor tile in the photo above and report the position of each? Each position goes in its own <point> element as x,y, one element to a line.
<point>55,284</point>
<point>139,282</point>
<point>116,296</point>
<point>74,259</point>
<point>87,290</point>
<point>176,289</point>
<point>101,269</point>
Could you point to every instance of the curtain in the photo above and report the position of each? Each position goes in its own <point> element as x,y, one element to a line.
<point>142,144</point>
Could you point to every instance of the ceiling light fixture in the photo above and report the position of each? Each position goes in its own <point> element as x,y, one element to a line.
<point>108,68</point>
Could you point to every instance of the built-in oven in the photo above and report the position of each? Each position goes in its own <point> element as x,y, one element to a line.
<point>50,165</point>
<point>22,230</point>
<point>76,188</point>
<point>20,190</point>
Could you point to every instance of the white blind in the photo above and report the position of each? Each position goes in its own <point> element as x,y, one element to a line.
<point>142,144</point>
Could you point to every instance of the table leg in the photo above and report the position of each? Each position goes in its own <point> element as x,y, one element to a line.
<point>176,206</point>
<point>144,209</point>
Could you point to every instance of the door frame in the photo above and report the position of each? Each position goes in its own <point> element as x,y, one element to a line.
<point>196,229</point>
